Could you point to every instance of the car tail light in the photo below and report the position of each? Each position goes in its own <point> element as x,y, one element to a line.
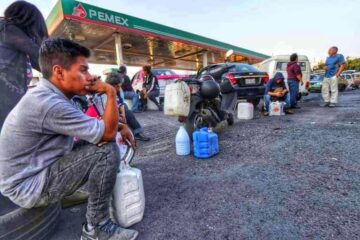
<point>231,78</point>
<point>265,79</point>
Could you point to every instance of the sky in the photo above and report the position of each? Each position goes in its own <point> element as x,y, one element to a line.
<point>267,26</point>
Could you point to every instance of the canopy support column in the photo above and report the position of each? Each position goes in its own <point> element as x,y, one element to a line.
<point>118,47</point>
<point>205,59</point>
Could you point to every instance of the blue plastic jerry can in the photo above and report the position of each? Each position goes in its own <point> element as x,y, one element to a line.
<point>206,143</point>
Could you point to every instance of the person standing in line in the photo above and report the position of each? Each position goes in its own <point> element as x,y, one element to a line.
<point>334,66</point>
<point>294,78</point>
<point>22,30</point>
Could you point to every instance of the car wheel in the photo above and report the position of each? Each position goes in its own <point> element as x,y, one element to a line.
<point>230,119</point>
<point>342,88</point>
<point>18,223</point>
<point>194,122</point>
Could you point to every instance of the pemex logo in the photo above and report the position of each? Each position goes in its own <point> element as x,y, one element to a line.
<point>79,11</point>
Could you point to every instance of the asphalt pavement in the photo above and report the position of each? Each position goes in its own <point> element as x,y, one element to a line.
<point>290,177</point>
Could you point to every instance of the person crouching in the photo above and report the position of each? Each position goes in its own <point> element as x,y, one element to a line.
<point>276,91</point>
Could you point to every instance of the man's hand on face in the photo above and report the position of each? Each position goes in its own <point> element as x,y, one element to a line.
<point>98,86</point>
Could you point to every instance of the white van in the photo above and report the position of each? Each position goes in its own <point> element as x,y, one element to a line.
<point>279,63</point>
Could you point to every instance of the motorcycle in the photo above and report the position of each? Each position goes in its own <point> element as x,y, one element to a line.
<point>205,105</point>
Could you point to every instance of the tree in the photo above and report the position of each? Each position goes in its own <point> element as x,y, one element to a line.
<point>350,64</point>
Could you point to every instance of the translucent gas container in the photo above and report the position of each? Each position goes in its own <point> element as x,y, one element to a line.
<point>206,143</point>
<point>182,142</point>
<point>177,99</point>
<point>128,196</point>
<point>245,111</point>
<point>276,108</point>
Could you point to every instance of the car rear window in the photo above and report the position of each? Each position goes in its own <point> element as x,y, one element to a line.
<point>243,68</point>
<point>281,66</point>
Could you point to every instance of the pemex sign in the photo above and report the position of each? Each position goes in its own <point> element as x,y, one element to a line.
<point>89,12</point>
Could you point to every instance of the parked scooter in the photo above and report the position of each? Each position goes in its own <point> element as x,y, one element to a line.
<point>205,105</point>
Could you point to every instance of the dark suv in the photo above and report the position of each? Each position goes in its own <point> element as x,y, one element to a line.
<point>244,78</point>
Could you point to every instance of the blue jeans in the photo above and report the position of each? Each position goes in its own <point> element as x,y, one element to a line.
<point>267,100</point>
<point>153,95</point>
<point>135,99</point>
<point>86,163</point>
<point>132,122</point>
<point>294,91</point>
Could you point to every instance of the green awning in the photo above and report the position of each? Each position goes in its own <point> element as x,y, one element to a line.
<point>143,41</point>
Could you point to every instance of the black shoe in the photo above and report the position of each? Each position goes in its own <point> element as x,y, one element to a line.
<point>288,111</point>
<point>332,105</point>
<point>141,137</point>
<point>136,111</point>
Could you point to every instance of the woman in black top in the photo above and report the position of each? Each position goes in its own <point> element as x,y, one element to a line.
<point>151,87</point>
<point>22,30</point>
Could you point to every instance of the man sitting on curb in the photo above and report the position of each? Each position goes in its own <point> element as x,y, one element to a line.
<point>116,81</point>
<point>276,91</point>
<point>129,92</point>
<point>38,163</point>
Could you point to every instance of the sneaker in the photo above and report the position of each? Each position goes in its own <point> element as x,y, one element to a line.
<point>108,231</point>
<point>141,137</point>
<point>331,105</point>
<point>266,113</point>
<point>325,104</point>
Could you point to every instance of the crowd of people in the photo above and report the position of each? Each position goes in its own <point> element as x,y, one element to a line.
<point>40,163</point>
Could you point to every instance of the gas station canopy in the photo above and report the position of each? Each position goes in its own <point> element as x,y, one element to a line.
<point>117,38</point>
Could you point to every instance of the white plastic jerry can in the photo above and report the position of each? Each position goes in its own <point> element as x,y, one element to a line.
<point>276,108</point>
<point>245,111</point>
<point>182,142</point>
<point>128,196</point>
<point>177,99</point>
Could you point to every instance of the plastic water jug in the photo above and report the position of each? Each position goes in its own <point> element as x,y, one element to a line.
<point>182,142</point>
<point>245,111</point>
<point>206,143</point>
<point>128,202</point>
<point>177,99</point>
<point>276,108</point>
